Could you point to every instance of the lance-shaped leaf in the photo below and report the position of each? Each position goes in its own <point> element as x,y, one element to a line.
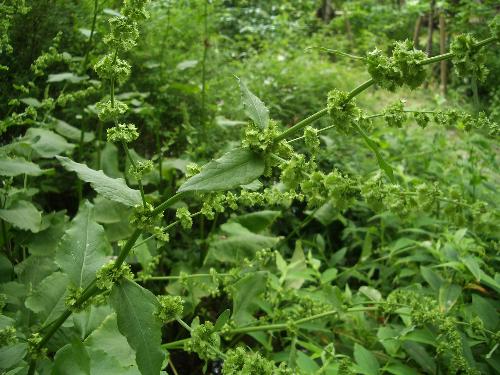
<point>135,311</point>
<point>114,189</point>
<point>22,215</point>
<point>386,167</point>
<point>254,107</point>
<point>234,168</point>
<point>17,166</point>
<point>83,248</point>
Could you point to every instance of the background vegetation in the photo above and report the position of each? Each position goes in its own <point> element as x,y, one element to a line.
<point>359,251</point>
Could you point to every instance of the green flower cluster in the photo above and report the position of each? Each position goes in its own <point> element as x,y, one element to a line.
<point>402,68</point>
<point>171,307</point>
<point>311,138</point>
<point>109,111</point>
<point>394,114</point>
<point>422,119</point>
<point>205,341</point>
<point>64,98</point>
<point>122,133</point>
<point>466,59</point>
<point>8,336</point>
<point>141,168</point>
<point>238,361</point>
<point>342,110</point>
<point>74,294</point>
<point>495,26</point>
<point>108,275</point>
<point>123,35</point>
<point>184,216</point>
<point>110,67</point>
<point>34,351</point>
<point>143,218</point>
<point>52,56</point>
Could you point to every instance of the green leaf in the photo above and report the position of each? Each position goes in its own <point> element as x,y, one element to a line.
<point>246,291</point>
<point>398,368</point>
<point>71,132</point>
<point>18,166</point>
<point>257,221</point>
<point>109,350</point>
<point>366,361</point>
<point>83,248</point>
<point>254,108</point>
<point>114,189</point>
<point>66,76</point>
<point>222,320</point>
<point>48,298</point>
<point>235,168</point>
<point>448,296</point>
<point>381,162</point>
<point>473,266</point>
<point>46,143</point>
<point>418,353</point>
<point>72,359</point>
<point>22,215</point>
<point>135,310</point>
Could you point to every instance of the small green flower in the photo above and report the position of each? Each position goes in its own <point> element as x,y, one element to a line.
<point>184,217</point>
<point>466,58</point>
<point>205,341</point>
<point>108,112</point>
<point>342,110</point>
<point>8,336</point>
<point>171,307</point>
<point>123,133</point>
<point>141,168</point>
<point>394,114</point>
<point>311,138</point>
<point>124,33</point>
<point>108,275</point>
<point>111,67</point>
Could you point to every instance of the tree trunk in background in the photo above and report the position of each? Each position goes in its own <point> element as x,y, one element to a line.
<point>416,31</point>
<point>442,50</point>
<point>327,11</point>
<point>430,26</point>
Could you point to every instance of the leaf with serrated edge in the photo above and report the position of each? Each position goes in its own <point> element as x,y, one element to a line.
<point>114,189</point>
<point>235,168</point>
<point>135,311</point>
<point>254,107</point>
<point>83,248</point>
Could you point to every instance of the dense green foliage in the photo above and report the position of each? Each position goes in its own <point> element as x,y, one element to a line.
<point>249,187</point>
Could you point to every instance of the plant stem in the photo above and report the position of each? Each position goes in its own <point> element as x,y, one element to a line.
<point>91,36</point>
<point>139,181</point>
<point>178,277</point>
<point>204,69</point>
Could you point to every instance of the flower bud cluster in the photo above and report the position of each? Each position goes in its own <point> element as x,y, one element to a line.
<point>108,275</point>
<point>141,168</point>
<point>184,217</point>
<point>342,110</point>
<point>205,341</point>
<point>394,115</point>
<point>8,336</point>
<point>466,59</point>
<point>239,361</point>
<point>171,307</point>
<point>122,133</point>
<point>144,218</point>
<point>402,68</point>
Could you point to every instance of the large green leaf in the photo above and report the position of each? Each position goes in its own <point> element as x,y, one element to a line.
<point>46,143</point>
<point>71,132</point>
<point>135,310</point>
<point>114,189</point>
<point>257,221</point>
<point>48,298</point>
<point>22,215</point>
<point>254,107</point>
<point>109,350</point>
<point>235,168</point>
<point>17,166</point>
<point>83,248</point>
<point>366,360</point>
<point>72,359</point>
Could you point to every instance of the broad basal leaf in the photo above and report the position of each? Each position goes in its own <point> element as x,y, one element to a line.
<point>135,310</point>
<point>22,215</point>
<point>70,132</point>
<point>46,143</point>
<point>254,107</point>
<point>114,189</point>
<point>18,166</point>
<point>83,248</point>
<point>235,168</point>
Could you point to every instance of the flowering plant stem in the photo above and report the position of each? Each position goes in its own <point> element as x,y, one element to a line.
<point>365,85</point>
